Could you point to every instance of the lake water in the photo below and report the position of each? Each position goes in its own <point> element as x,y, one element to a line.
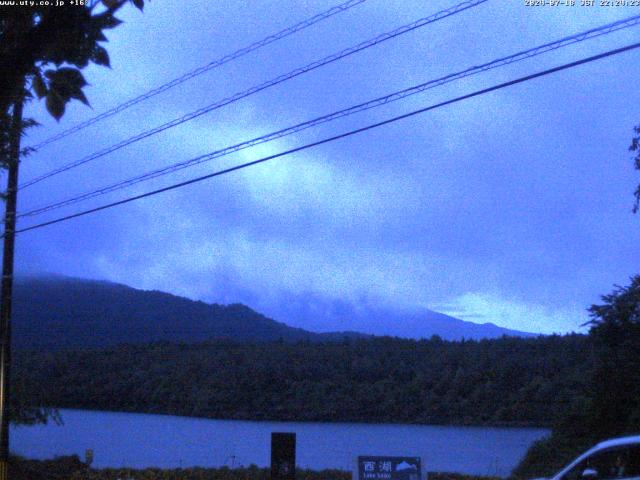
<point>139,441</point>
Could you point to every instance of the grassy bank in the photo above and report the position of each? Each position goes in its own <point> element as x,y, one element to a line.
<point>71,468</point>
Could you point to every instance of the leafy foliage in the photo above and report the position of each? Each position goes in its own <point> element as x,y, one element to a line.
<point>612,404</point>
<point>32,38</point>
<point>635,147</point>
<point>615,327</point>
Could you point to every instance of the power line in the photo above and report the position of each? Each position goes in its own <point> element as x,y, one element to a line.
<point>280,79</point>
<point>338,137</point>
<point>522,55</point>
<point>205,68</point>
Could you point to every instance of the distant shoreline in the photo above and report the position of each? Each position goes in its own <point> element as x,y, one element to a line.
<point>71,466</point>
<point>334,422</point>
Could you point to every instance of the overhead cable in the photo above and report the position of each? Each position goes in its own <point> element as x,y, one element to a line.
<point>337,137</point>
<point>240,95</point>
<point>203,69</point>
<point>516,57</point>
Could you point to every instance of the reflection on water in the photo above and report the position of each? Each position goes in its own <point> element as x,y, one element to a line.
<point>138,441</point>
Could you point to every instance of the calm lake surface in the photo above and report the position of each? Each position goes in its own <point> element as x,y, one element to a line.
<point>138,441</point>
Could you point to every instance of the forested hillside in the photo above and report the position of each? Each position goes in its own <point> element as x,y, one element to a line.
<point>508,381</point>
<point>61,312</point>
<point>611,406</point>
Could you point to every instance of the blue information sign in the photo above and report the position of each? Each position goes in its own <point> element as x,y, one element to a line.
<point>389,468</point>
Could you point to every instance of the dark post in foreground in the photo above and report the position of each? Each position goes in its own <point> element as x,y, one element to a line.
<point>283,456</point>
<point>13,162</point>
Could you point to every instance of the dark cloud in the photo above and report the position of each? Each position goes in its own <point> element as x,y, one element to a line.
<point>512,208</point>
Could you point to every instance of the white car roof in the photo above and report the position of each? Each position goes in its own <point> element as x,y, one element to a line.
<point>613,442</point>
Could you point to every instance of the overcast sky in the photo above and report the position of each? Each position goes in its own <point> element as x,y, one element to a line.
<point>513,207</point>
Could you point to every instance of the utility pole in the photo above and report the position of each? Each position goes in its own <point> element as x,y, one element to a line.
<point>6,289</point>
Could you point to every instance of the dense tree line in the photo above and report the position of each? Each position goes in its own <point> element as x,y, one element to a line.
<point>508,381</point>
<point>611,405</point>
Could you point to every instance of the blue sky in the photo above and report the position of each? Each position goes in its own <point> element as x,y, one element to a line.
<point>513,207</point>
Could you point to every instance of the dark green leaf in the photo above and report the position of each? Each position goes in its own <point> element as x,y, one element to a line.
<point>106,20</point>
<point>39,86</point>
<point>55,104</point>
<point>29,123</point>
<point>79,95</point>
<point>100,37</point>
<point>139,4</point>
<point>100,56</point>
<point>70,76</point>
<point>67,83</point>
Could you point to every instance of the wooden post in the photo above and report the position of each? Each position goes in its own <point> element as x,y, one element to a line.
<point>6,289</point>
<point>283,456</point>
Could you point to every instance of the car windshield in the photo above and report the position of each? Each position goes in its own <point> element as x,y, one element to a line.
<point>618,462</point>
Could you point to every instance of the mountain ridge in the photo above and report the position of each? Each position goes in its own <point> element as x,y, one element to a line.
<point>52,312</point>
<point>67,312</point>
<point>320,314</point>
